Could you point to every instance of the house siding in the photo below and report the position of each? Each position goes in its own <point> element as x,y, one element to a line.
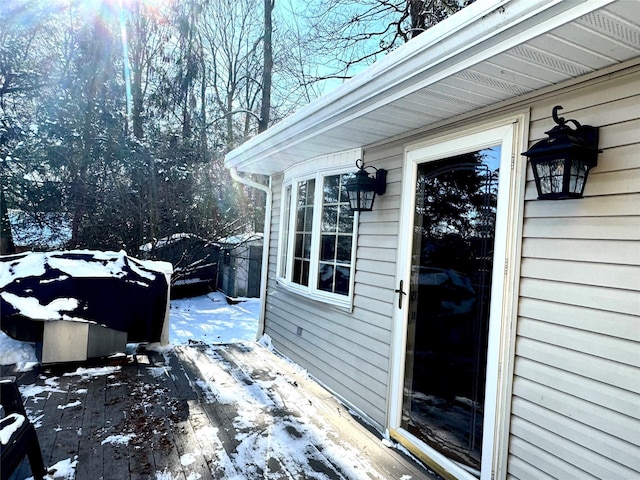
<point>347,351</point>
<point>575,405</point>
<point>575,409</point>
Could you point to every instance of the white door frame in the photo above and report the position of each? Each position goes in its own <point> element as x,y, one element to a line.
<point>510,134</point>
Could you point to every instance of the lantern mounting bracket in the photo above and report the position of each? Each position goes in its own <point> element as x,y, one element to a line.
<point>560,120</point>
<point>379,175</point>
<point>364,186</point>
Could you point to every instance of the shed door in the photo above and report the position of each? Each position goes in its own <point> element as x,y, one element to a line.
<point>453,301</point>
<point>255,268</point>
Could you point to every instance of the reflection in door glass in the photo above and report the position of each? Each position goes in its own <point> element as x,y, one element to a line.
<point>448,322</point>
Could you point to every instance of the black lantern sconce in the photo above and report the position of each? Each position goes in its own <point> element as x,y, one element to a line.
<point>362,189</point>
<point>561,163</point>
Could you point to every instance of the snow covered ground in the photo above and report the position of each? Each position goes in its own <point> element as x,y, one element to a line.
<point>206,319</point>
<point>210,319</point>
<point>277,392</point>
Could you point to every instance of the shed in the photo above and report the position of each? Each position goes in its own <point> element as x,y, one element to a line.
<point>239,265</point>
<point>194,260</point>
<point>493,334</point>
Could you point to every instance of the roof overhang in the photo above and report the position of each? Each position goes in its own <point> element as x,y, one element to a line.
<point>488,53</point>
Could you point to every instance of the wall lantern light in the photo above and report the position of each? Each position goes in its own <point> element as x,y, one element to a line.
<point>363,187</point>
<point>561,162</point>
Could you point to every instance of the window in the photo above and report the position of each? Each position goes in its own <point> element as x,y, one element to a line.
<point>303,232</point>
<point>336,237</point>
<point>317,246</point>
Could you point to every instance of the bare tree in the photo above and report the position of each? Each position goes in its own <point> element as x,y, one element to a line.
<point>348,35</point>
<point>232,39</point>
<point>117,115</point>
<point>144,33</point>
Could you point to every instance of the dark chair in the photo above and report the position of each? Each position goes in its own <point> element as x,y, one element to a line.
<point>23,440</point>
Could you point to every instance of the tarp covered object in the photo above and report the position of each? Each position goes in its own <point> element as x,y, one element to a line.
<point>108,288</point>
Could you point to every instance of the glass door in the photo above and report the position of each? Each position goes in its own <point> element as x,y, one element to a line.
<point>448,311</point>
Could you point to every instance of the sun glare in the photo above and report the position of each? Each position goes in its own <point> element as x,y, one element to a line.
<point>113,6</point>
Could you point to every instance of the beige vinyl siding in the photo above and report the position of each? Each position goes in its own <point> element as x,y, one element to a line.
<point>575,406</point>
<point>575,409</point>
<point>347,351</point>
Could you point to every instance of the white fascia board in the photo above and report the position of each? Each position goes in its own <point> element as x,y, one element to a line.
<point>439,52</point>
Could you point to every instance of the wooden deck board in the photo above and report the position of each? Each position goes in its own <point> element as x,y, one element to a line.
<point>93,419</point>
<point>177,427</point>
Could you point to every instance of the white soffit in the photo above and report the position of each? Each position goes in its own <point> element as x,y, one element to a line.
<point>489,52</point>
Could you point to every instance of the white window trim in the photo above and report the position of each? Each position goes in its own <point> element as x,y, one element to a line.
<point>316,168</point>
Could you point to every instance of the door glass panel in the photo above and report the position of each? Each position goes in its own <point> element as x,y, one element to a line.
<point>448,323</point>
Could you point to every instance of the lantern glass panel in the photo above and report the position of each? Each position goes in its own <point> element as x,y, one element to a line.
<point>551,174</point>
<point>361,200</point>
<point>579,171</point>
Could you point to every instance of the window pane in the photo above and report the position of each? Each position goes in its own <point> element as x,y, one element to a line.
<point>301,272</point>
<point>311,191</point>
<point>297,270</point>
<point>344,178</point>
<point>332,189</point>
<point>344,249</point>
<point>334,279</point>
<point>345,223</point>
<point>298,251</point>
<point>304,280</point>
<point>306,247</point>
<point>304,218</point>
<point>326,278</point>
<point>308,219</point>
<point>328,247</point>
<point>330,219</point>
<point>343,274</point>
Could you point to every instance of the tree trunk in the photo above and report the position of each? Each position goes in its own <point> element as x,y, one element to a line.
<point>267,71</point>
<point>6,239</point>
<point>203,104</point>
<point>418,17</point>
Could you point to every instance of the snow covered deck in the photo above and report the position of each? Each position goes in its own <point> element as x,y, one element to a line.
<point>200,412</point>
